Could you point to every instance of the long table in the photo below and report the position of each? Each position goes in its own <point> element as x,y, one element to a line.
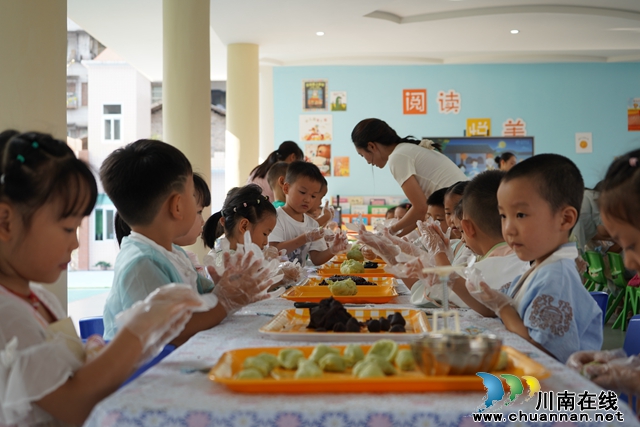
<point>177,392</point>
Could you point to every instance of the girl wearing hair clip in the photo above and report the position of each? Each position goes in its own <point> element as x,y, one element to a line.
<point>244,209</point>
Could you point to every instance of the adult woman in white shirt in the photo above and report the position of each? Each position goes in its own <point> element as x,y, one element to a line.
<point>417,166</point>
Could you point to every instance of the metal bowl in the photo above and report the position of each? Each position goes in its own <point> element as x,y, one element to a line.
<point>456,354</point>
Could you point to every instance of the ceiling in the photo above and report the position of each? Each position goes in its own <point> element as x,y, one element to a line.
<point>376,32</point>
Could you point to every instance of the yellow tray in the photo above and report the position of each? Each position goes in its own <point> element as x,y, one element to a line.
<point>329,270</point>
<point>366,294</point>
<point>282,381</point>
<point>291,325</point>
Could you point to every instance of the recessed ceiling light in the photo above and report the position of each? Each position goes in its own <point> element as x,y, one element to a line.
<point>320,33</point>
<point>515,31</point>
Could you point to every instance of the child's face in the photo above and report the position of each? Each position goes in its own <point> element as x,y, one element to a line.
<point>302,194</point>
<point>315,207</point>
<point>529,226</point>
<point>399,213</point>
<point>437,214</point>
<point>508,164</point>
<point>196,229</point>
<point>627,236</point>
<point>450,202</point>
<point>41,252</point>
<point>260,231</point>
<point>390,214</point>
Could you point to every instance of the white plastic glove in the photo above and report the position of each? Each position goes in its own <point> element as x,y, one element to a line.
<point>492,299</point>
<point>610,369</point>
<point>161,316</point>
<point>411,267</point>
<point>314,234</point>
<point>382,246</point>
<point>405,246</point>
<point>271,252</point>
<point>579,359</point>
<point>368,253</point>
<point>339,243</point>
<point>293,273</point>
<point>433,239</point>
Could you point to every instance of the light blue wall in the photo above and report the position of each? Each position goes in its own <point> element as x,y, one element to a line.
<point>555,100</point>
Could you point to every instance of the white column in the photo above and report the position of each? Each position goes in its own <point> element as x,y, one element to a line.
<point>267,144</point>
<point>242,136</point>
<point>33,75</point>
<point>186,84</point>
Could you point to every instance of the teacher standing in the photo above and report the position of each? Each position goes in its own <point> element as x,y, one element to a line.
<point>417,166</point>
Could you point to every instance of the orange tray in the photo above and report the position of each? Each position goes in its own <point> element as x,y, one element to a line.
<point>291,325</point>
<point>366,294</point>
<point>282,381</point>
<point>380,281</point>
<point>329,270</point>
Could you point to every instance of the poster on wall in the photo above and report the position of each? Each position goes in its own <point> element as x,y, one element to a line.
<point>449,102</point>
<point>478,127</point>
<point>633,114</point>
<point>314,95</point>
<point>316,127</point>
<point>516,127</point>
<point>341,166</point>
<point>319,155</point>
<point>339,101</point>
<point>414,101</point>
<point>584,142</point>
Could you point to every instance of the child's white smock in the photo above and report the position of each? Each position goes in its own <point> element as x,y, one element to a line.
<point>33,361</point>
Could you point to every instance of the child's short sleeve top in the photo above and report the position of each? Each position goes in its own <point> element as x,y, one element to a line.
<point>557,309</point>
<point>288,228</point>
<point>33,361</point>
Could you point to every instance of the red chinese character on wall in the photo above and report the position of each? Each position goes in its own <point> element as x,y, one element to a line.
<point>449,102</point>
<point>514,128</point>
<point>414,101</point>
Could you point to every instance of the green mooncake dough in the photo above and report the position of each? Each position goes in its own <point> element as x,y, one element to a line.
<point>353,354</point>
<point>320,351</point>
<point>368,370</point>
<point>289,358</point>
<point>385,348</point>
<point>270,359</point>
<point>258,364</point>
<point>332,362</point>
<point>355,254</point>
<point>249,374</point>
<point>405,360</point>
<point>383,363</point>
<point>351,266</point>
<point>343,287</point>
<point>308,369</point>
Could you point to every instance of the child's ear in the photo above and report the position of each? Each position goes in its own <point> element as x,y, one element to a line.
<point>175,206</point>
<point>7,218</point>
<point>468,228</point>
<point>569,216</point>
<point>281,181</point>
<point>285,188</point>
<point>243,225</point>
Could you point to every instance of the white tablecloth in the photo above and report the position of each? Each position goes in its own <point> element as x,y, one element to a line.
<point>177,393</point>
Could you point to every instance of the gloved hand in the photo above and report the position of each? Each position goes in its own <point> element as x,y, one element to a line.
<point>433,239</point>
<point>271,252</point>
<point>405,246</point>
<point>293,273</point>
<point>368,253</point>
<point>314,234</point>
<point>382,246</point>
<point>411,267</point>
<point>579,359</point>
<point>492,299</point>
<point>339,244</point>
<point>619,373</point>
<point>161,316</point>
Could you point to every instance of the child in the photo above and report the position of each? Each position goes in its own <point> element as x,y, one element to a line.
<point>391,213</point>
<point>482,231</point>
<point>451,198</point>
<point>401,210</point>
<point>296,232</point>
<point>325,214</point>
<point>275,177</point>
<point>244,209</point>
<point>435,208</point>
<point>46,192</point>
<point>619,196</point>
<point>539,200</point>
<point>151,184</point>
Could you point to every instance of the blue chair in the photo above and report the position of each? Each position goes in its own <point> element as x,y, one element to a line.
<point>91,326</point>
<point>602,299</point>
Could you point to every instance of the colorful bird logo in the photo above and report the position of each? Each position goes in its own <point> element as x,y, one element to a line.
<point>496,392</point>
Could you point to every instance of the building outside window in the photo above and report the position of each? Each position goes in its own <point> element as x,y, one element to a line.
<point>104,229</point>
<point>112,122</point>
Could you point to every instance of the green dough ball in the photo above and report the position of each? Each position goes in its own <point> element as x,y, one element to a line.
<point>501,364</point>
<point>270,359</point>
<point>355,254</point>
<point>332,363</point>
<point>308,369</point>
<point>257,363</point>
<point>387,349</point>
<point>382,363</point>
<point>351,266</point>
<point>289,357</point>
<point>352,354</point>
<point>320,351</point>
<point>405,360</point>
<point>343,287</point>
<point>370,370</point>
<point>583,371</point>
<point>249,374</point>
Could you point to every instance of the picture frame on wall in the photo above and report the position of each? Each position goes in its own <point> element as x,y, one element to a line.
<point>314,95</point>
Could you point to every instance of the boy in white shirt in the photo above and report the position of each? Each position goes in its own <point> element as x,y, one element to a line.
<point>296,232</point>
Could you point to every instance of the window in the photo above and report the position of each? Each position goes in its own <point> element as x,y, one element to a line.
<point>112,118</point>
<point>85,94</point>
<point>104,221</point>
<point>72,95</point>
<point>156,92</point>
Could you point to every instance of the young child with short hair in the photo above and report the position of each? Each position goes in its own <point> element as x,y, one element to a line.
<point>275,178</point>
<point>539,200</point>
<point>451,199</point>
<point>401,210</point>
<point>45,376</point>
<point>296,232</point>
<point>151,184</point>
<point>435,208</point>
